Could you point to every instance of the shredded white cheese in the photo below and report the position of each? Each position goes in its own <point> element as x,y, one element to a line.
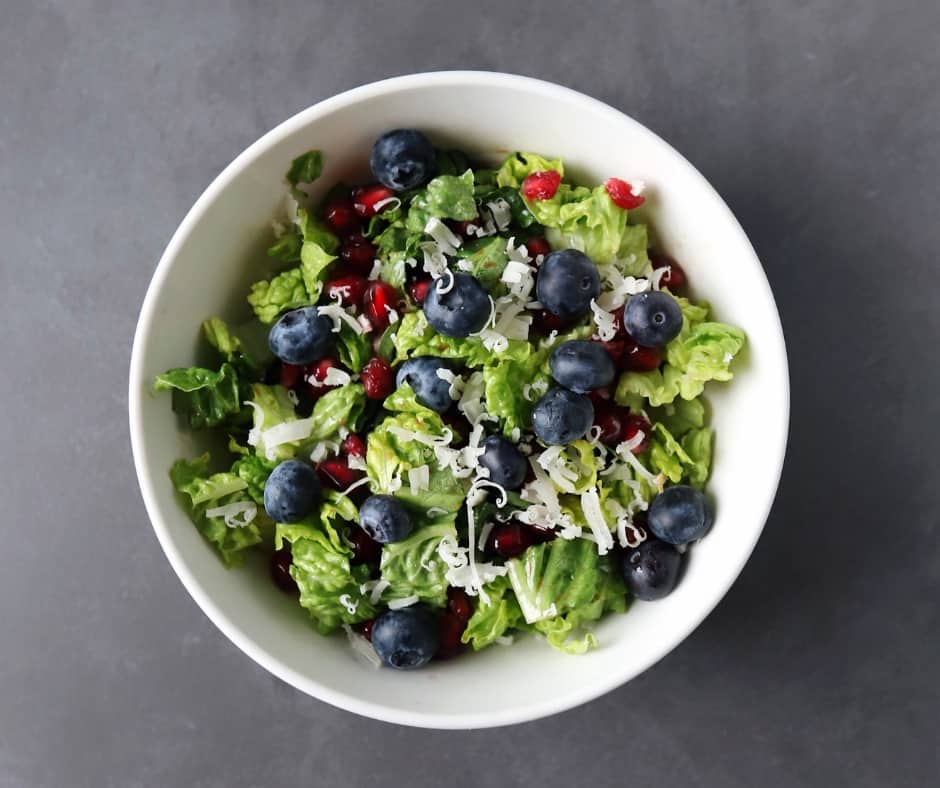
<point>334,377</point>
<point>604,320</point>
<point>339,315</point>
<point>349,603</point>
<point>418,479</point>
<point>445,238</point>
<point>398,604</point>
<point>594,515</point>
<point>362,647</point>
<point>236,515</point>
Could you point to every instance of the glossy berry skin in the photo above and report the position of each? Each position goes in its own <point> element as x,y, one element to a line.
<point>402,159</point>
<point>353,446</point>
<point>384,519</point>
<point>336,474</point>
<point>450,630</point>
<point>316,373</point>
<point>582,366</point>
<point>281,561</point>
<point>567,282</point>
<point>419,290</point>
<point>633,424</point>
<point>652,318</point>
<point>561,416</point>
<point>458,603</point>
<point>341,216</point>
<point>430,389</point>
<point>290,375</point>
<point>366,199</point>
<point>377,378</point>
<point>365,549</point>
<point>612,420</point>
<point>507,465</point>
<point>622,194</point>
<point>291,492</point>
<point>301,336</point>
<point>541,185</point>
<point>537,246</point>
<point>406,639</point>
<point>509,539</point>
<point>651,570</point>
<point>679,514</point>
<point>378,299</point>
<point>349,290</point>
<point>461,310</point>
<point>675,278</point>
<point>636,358</point>
<point>358,255</point>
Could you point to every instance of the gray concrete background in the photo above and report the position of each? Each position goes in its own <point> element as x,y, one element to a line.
<point>820,124</point>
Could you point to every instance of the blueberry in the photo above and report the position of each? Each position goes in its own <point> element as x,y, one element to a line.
<point>652,569</point>
<point>407,638</point>
<point>291,492</point>
<point>582,366</point>
<point>301,336</point>
<point>402,159</point>
<point>561,416</point>
<point>653,318</point>
<point>506,464</point>
<point>384,519</point>
<point>430,389</point>
<point>680,514</point>
<point>567,282</point>
<point>461,309</point>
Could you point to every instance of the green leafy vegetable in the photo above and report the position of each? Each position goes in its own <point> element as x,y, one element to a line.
<point>413,566</point>
<point>353,349</point>
<point>269,298</point>
<point>230,347</point>
<point>451,162</point>
<point>416,338</point>
<point>451,197</point>
<point>488,259</point>
<point>314,231</point>
<point>516,167</point>
<point>254,471</point>
<point>495,616</point>
<point>306,168</point>
<point>203,491</point>
<point>204,397</point>
<point>286,247</point>
<point>314,263</point>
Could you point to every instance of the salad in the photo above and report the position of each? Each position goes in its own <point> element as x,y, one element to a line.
<point>469,406</point>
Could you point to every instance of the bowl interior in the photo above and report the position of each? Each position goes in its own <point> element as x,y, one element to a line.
<point>219,250</point>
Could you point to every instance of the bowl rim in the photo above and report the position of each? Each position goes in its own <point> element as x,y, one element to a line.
<point>138,388</point>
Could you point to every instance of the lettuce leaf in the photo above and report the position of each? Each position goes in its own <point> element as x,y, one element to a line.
<point>201,491</point>
<point>416,338</point>
<point>518,165</point>
<point>286,291</point>
<point>306,168</point>
<point>488,259</point>
<point>286,247</point>
<point>254,471</point>
<point>702,351</point>
<point>229,347</point>
<point>352,349</point>
<point>681,445</point>
<point>312,230</point>
<point>323,573</point>
<point>493,618</point>
<point>204,397</point>
<point>452,197</point>
<point>563,585</point>
<point>413,567</point>
<point>314,264</point>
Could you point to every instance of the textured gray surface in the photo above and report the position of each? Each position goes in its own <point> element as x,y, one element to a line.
<point>820,124</point>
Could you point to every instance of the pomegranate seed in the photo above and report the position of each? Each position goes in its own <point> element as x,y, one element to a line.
<point>635,424</point>
<point>458,603</point>
<point>281,562</point>
<point>622,194</point>
<point>378,299</point>
<point>675,277</point>
<point>541,185</point>
<point>450,628</point>
<point>463,227</point>
<point>353,446</point>
<point>365,629</point>
<point>336,474</point>
<point>612,420</point>
<point>341,216</point>
<point>539,534</point>
<point>358,253</point>
<point>365,549</point>
<point>600,397</point>
<point>377,378</point>
<point>537,246</point>
<point>365,198</point>
<point>615,348</point>
<point>545,322</point>
<point>636,358</point>
<point>316,374</point>
<point>419,290</point>
<point>290,375</point>
<point>508,539</point>
<point>348,289</point>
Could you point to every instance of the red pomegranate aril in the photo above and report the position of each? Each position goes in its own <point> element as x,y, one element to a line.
<point>377,378</point>
<point>365,628</point>
<point>290,375</point>
<point>358,254</point>
<point>674,278</point>
<point>364,199</point>
<point>637,358</point>
<point>614,348</point>
<point>600,397</point>
<point>336,474</point>
<point>541,185</point>
<point>353,446</point>
<point>463,227</point>
<point>622,194</point>
<point>316,374</point>
<point>508,539</point>
<point>341,216</point>
<point>281,562</point>
<point>348,289</point>
<point>539,534</point>
<point>545,322</point>
<point>365,549</point>
<point>458,603</point>
<point>419,290</point>
<point>633,425</point>
<point>612,420</point>
<point>536,246</point>
<point>450,629</point>
<point>379,298</point>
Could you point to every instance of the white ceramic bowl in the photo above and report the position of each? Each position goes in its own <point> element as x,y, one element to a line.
<point>215,254</point>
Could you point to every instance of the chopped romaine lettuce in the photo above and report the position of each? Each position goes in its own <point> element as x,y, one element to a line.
<point>416,338</point>
<point>306,168</point>
<point>494,615</point>
<point>488,259</point>
<point>413,567</point>
<point>269,298</point>
<point>451,197</point>
<point>204,397</point>
<point>516,167</point>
